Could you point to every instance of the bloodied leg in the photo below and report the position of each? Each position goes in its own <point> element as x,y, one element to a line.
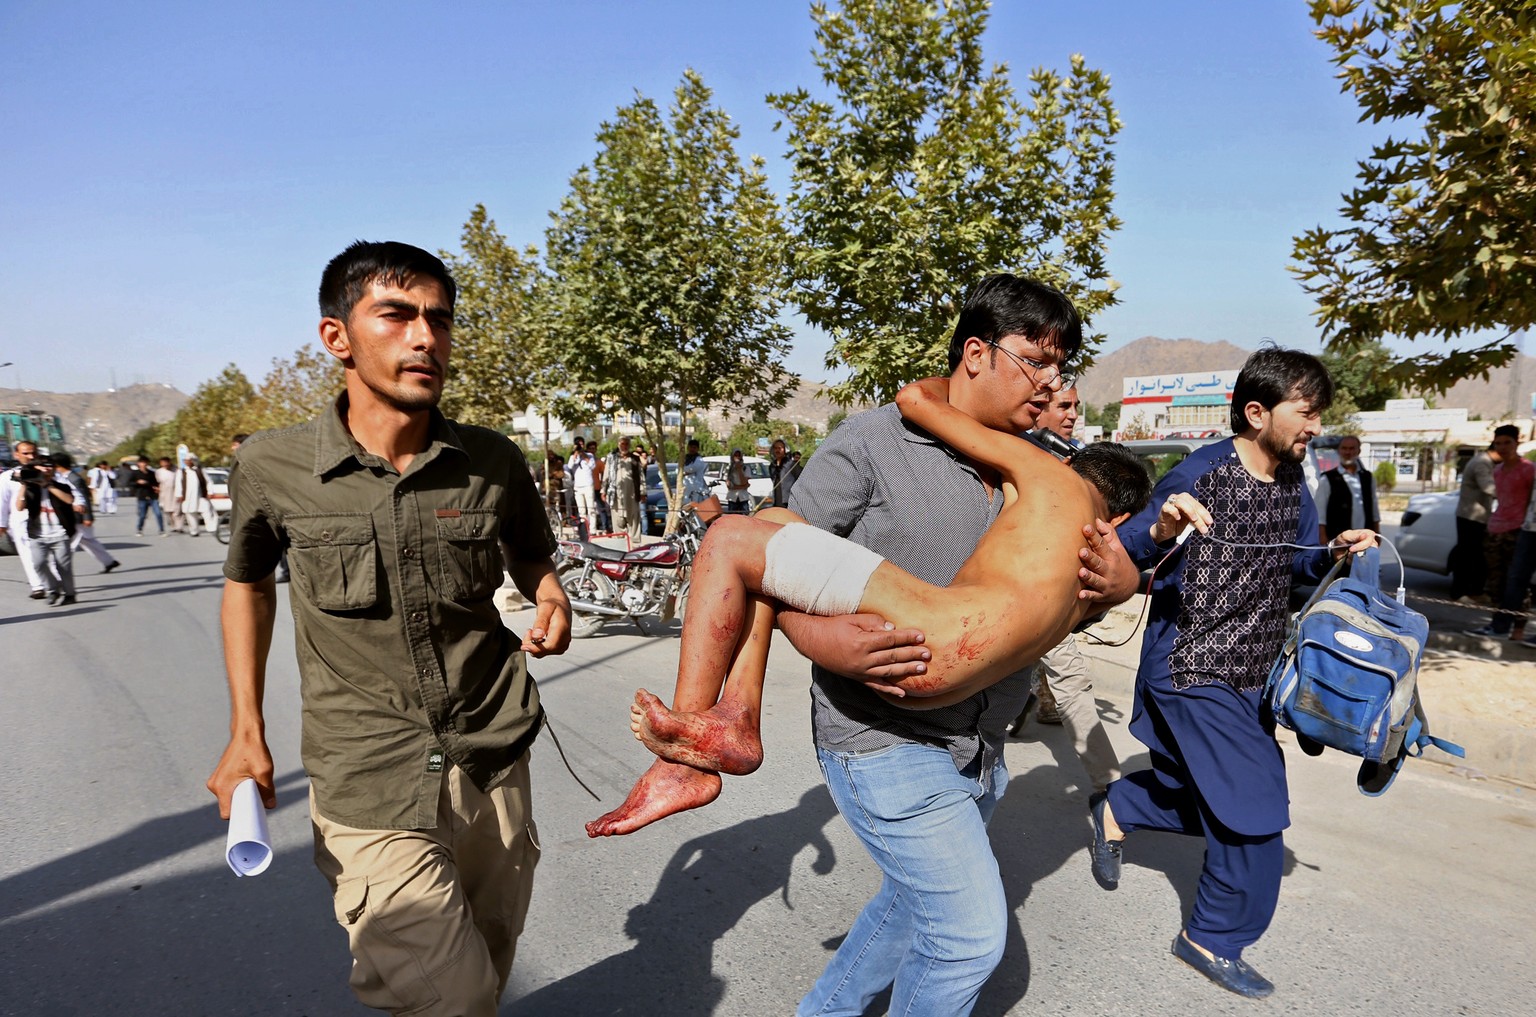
<point>706,735</point>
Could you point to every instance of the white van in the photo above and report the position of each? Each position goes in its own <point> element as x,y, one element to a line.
<point>759,480</point>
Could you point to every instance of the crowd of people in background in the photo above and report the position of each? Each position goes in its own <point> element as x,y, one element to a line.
<point>590,490</point>
<point>1495,557</point>
<point>49,507</point>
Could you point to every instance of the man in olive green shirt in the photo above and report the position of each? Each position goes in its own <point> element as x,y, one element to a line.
<point>418,707</point>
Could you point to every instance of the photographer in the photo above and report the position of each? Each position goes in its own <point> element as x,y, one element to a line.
<point>49,504</point>
<point>15,524</point>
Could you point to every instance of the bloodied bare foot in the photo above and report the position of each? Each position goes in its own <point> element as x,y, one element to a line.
<point>723,738</point>
<point>662,790</point>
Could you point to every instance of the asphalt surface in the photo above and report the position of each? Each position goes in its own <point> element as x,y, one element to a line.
<point>114,897</point>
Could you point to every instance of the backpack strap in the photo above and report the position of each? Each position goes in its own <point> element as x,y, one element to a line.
<point>1366,567</point>
<point>1374,778</point>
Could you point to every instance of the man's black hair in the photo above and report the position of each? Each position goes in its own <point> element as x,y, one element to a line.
<point>1507,431</point>
<point>1002,305</point>
<point>1119,474</point>
<point>352,271</point>
<point>64,459</point>
<point>1272,375</point>
<point>239,439</point>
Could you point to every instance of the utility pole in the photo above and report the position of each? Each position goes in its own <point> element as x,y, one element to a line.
<point>1517,406</point>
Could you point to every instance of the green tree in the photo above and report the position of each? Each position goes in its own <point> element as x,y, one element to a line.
<point>747,432</point>
<point>220,408</point>
<point>503,359</point>
<point>154,441</point>
<point>1437,241</point>
<point>1106,416</point>
<point>668,259</point>
<point>1385,475</point>
<point>1363,379</point>
<point>924,173</point>
<point>297,389</point>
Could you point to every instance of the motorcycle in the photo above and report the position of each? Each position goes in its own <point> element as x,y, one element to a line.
<point>646,581</point>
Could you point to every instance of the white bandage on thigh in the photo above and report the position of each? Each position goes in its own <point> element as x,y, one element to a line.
<point>815,571</point>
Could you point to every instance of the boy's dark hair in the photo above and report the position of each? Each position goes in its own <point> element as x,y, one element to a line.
<point>1272,375</point>
<point>365,262</point>
<point>1003,305</point>
<point>1119,474</point>
<point>1507,431</point>
<point>64,459</point>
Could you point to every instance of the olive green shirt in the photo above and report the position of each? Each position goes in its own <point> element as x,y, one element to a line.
<point>404,664</point>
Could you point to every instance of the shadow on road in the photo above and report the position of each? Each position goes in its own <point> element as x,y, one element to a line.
<point>710,883</point>
<point>143,845</point>
<point>201,942</point>
<point>1043,826</point>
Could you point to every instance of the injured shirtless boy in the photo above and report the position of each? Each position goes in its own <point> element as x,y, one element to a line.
<point>1015,598</point>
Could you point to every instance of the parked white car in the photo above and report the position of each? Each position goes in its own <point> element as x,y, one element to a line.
<point>1427,534</point>
<point>759,480</point>
<point>218,487</point>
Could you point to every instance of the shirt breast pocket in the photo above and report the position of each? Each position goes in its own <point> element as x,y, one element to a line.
<point>334,560</point>
<point>470,554</point>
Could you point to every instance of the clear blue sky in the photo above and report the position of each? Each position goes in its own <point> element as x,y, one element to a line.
<point>176,174</point>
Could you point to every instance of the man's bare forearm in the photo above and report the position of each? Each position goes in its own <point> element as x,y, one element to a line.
<point>861,647</point>
<point>247,615</point>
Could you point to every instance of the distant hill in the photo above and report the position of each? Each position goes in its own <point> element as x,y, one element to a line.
<point>1486,400</point>
<point>807,405</point>
<point>96,421</point>
<point>1101,383</point>
<point>1491,399</point>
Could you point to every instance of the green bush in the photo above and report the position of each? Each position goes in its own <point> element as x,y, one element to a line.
<point>1386,476</point>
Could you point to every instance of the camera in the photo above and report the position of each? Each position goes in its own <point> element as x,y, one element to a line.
<point>32,475</point>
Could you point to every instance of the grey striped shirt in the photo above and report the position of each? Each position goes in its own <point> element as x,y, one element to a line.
<point>894,489</point>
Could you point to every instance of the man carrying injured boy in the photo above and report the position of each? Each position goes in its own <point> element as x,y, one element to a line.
<point>1013,600</point>
<point>892,486</point>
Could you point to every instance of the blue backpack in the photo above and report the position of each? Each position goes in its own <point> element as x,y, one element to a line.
<point>1348,676</point>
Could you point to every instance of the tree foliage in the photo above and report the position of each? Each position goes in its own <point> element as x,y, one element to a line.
<point>296,389</point>
<point>1437,241</point>
<point>667,256</point>
<point>152,440</point>
<point>219,409</point>
<point>924,173</point>
<point>745,434</point>
<point>1362,380</point>
<point>503,358</point>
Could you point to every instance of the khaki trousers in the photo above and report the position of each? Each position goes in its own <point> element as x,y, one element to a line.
<point>1067,672</point>
<point>433,916</point>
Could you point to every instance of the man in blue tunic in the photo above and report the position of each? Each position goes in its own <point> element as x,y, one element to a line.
<point>1217,624</point>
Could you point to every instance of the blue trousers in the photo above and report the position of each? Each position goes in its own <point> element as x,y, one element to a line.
<point>1200,736</point>
<point>1516,582</point>
<point>145,504</point>
<point>935,930</point>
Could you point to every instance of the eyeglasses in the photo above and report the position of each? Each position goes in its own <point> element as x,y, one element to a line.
<point>1045,375</point>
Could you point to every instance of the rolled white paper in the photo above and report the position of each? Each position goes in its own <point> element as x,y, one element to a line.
<point>248,849</point>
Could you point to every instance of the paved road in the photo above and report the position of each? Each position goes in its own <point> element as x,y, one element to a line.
<point>114,898</point>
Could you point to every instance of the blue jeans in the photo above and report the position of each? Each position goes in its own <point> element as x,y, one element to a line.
<point>935,930</point>
<point>145,504</point>
<point>1516,581</point>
